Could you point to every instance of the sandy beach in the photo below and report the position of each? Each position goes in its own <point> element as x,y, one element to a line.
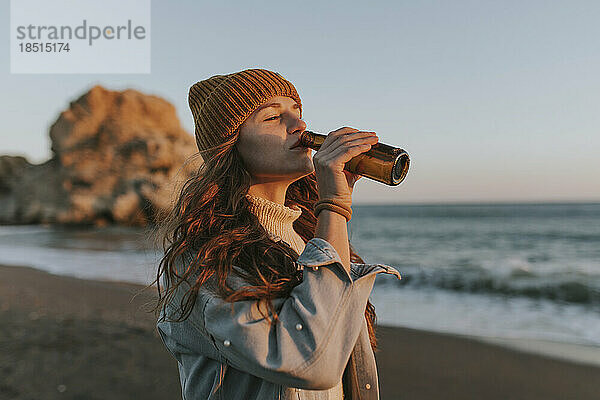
<point>68,338</point>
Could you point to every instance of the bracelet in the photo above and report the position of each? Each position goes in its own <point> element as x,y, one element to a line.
<point>334,208</point>
<point>333,205</point>
<point>336,202</point>
<point>337,206</point>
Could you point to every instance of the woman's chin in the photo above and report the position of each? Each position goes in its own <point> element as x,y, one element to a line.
<point>304,170</point>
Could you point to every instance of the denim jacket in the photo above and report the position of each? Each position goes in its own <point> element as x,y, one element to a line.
<point>320,337</point>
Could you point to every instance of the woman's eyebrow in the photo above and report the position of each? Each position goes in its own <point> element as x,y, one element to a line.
<point>275,105</point>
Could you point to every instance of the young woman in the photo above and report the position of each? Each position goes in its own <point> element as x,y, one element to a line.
<point>262,295</point>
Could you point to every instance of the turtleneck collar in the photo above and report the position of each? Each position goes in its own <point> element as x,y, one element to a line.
<point>277,219</point>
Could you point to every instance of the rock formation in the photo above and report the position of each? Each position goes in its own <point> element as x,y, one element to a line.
<point>117,158</point>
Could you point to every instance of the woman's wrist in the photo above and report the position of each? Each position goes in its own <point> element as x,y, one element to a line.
<point>334,205</point>
<point>330,214</point>
<point>332,227</point>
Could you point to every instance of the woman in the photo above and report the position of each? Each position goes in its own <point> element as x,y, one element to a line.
<point>261,298</point>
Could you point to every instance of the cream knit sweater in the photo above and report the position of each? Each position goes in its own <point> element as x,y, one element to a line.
<point>278,219</point>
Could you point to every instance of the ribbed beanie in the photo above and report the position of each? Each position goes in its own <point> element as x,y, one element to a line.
<point>221,103</point>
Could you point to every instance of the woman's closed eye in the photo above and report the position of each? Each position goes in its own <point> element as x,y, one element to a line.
<point>279,116</point>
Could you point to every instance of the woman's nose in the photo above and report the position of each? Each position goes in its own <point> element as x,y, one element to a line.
<point>297,124</point>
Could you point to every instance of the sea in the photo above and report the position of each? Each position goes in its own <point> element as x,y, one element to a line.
<point>513,271</point>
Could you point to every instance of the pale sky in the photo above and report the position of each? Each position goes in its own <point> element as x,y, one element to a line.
<point>493,101</point>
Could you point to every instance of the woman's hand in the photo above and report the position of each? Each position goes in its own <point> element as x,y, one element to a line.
<point>339,147</point>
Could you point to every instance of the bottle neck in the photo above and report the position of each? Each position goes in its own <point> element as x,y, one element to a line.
<point>312,140</point>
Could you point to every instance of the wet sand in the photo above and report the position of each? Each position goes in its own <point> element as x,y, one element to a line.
<point>68,338</point>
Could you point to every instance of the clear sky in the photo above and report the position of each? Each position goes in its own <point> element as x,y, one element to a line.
<point>493,100</point>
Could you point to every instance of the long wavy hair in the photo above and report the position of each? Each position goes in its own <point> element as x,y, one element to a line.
<point>210,226</point>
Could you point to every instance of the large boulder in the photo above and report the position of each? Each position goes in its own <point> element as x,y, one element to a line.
<point>117,158</point>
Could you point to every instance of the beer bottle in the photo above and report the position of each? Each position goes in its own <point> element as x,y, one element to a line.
<point>382,163</point>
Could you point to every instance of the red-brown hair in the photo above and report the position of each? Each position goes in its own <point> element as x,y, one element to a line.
<point>210,226</point>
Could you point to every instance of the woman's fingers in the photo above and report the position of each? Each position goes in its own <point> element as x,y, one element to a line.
<point>347,151</point>
<point>348,145</point>
<point>335,135</point>
<point>353,138</point>
<point>339,147</point>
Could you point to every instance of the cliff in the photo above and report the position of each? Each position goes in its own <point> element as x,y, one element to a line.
<point>117,157</point>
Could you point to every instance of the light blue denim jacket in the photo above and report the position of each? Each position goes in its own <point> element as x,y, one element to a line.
<point>321,335</point>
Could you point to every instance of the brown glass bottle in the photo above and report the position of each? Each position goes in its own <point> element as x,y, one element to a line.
<point>382,163</point>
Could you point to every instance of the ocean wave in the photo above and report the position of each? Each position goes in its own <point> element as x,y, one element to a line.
<point>560,287</point>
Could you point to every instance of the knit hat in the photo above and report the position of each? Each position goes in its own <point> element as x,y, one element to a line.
<point>221,103</point>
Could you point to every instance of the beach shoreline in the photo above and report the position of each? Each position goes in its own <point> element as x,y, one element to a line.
<point>65,337</point>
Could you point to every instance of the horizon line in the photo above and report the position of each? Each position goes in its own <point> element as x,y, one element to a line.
<point>490,202</point>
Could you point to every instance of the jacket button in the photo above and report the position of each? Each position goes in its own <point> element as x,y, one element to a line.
<point>298,327</point>
<point>368,386</point>
<point>226,343</point>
